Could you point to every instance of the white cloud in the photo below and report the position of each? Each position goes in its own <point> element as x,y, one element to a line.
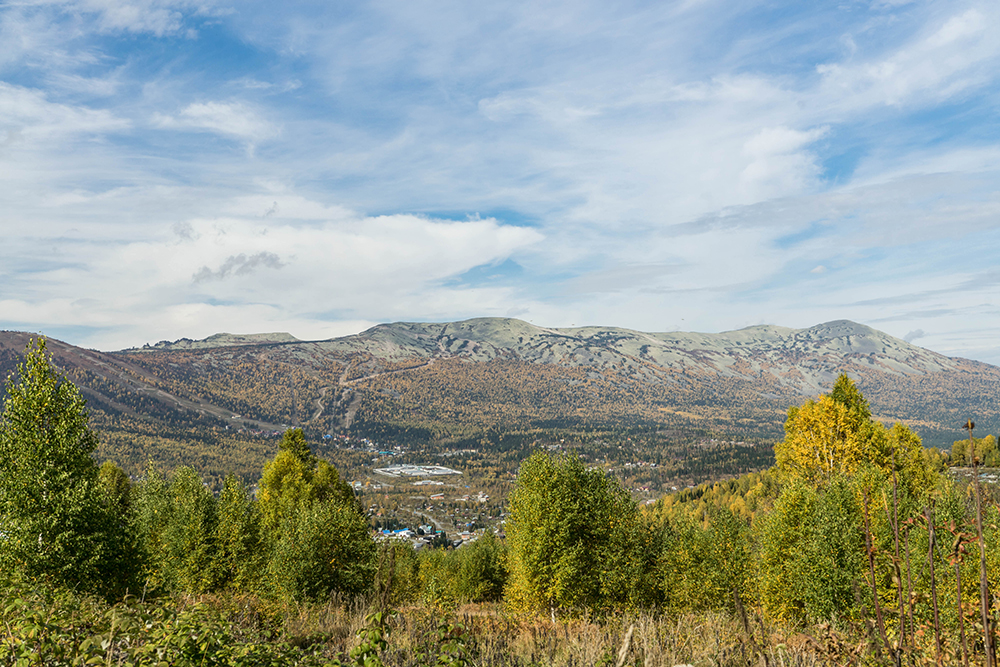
<point>676,163</point>
<point>957,53</point>
<point>234,119</point>
<point>28,114</point>
<point>260,271</point>
<point>779,165</point>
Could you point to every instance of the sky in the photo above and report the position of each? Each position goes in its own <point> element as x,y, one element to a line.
<point>178,168</point>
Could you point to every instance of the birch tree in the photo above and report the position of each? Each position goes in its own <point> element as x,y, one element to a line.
<point>572,535</point>
<point>55,523</point>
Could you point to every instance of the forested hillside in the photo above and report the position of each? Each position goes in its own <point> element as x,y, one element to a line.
<point>436,381</point>
<point>492,387</point>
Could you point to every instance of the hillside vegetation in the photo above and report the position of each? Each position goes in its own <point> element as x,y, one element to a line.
<point>498,386</point>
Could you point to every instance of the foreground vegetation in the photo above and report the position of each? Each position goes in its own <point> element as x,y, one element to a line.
<point>855,548</point>
<point>65,629</point>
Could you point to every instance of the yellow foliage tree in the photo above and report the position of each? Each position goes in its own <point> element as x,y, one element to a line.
<point>317,535</point>
<point>984,450</point>
<point>823,438</point>
<point>836,434</point>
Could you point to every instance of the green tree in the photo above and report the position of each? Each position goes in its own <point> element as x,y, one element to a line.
<point>572,534</point>
<point>436,575</point>
<point>116,488</point>
<point>701,562</point>
<point>397,577</point>
<point>847,394</point>
<point>917,467</point>
<point>318,538</point>
<point>54,523</point>
<point>151,506</point>
<point>481,571</point>
<point>811,549</point>
<point>294,442</point>
<point>240,555</point>
<point>176,520</point>
<point>189,536</point>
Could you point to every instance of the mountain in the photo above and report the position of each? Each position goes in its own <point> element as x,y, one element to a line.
<point>805,360</point>
<point>738,383</point>
<point>224,340</point>
<point>454,385</point>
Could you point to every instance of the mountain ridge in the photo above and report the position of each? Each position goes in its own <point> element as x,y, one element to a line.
<point>768,365</point>
<point>459,383</point>
<point>415,337</point>
<point>222,340</point>
<point>817,352</point>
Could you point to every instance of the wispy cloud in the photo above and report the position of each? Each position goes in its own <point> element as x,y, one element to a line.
<point>946,58</point>
<point>157,17</point>
<point>233,119</point>
<point>32,115</point>
<point>652,165</point>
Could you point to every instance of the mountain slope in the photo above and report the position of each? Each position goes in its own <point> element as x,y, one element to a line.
<point>807,359</point>
<point>441,379</point>
<point>460,383</point>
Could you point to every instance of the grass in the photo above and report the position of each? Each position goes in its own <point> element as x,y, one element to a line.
<point>491,637</point>
<point>55,627</point>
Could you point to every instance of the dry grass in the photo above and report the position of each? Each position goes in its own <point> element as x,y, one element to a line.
<point>494,638</point>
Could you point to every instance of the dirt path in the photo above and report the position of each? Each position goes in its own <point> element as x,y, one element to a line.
<point>319,404</point>
<point>352,409</point>
<point>355,404</point>
<point>345,383</point>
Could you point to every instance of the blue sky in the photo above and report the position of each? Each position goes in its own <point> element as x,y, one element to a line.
<point>176,168</point>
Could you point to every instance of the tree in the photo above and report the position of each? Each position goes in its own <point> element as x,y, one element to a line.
<point>319,540</point>
<point>572,534</point>
<point>822,439</point>
<point>835,435</point>
<point>480,573</point>
<point>116,488</point>
<point>151,514</point>
<point>828,436</point>
<point>846,393</point>
<point>701,560</point>
<point>985,452</point>
<point>177,521</point>
<point>322,548</point>
<point>810,551</point>
<point>55,523</point>
<point>240,557</point>
<point>294,442</point>
<point>189,536</point>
